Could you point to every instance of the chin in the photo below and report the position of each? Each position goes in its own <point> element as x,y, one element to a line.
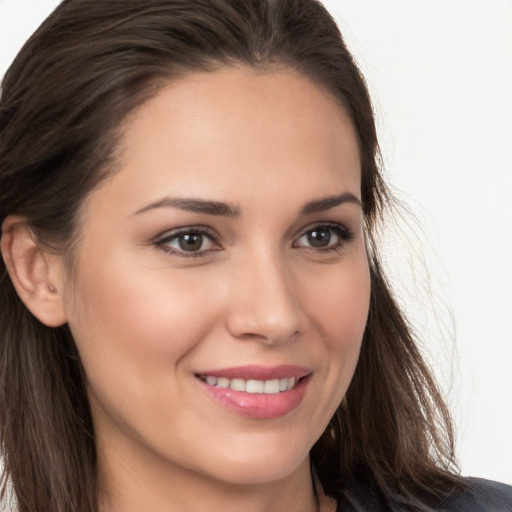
<point>259,462</point>
<point>259,473</point>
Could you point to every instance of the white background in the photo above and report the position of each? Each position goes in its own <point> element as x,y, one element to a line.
<point>440,73</point>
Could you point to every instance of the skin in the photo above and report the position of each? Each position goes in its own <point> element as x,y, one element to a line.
<point>147,316</point>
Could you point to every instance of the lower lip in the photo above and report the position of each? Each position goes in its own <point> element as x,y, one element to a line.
<point>259,405</point>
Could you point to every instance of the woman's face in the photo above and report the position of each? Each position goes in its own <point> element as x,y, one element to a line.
<point>221,286</point>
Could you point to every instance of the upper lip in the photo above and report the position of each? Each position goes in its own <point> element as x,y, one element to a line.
<point>252,372</point>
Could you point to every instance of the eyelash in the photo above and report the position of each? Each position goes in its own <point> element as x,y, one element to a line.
<point>344,236</point>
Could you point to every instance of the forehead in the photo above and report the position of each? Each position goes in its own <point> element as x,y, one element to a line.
<point>265,131</point>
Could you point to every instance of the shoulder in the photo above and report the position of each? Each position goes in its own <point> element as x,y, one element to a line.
<point>476,495</point>
<point>480,496</point>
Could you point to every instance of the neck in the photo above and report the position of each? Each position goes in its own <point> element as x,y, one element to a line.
<point>160,486</point>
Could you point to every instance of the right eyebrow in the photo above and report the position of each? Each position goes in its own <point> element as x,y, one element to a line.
<point>203,206</point>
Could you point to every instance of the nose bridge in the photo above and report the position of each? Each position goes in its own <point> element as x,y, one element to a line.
<point>264,303</point>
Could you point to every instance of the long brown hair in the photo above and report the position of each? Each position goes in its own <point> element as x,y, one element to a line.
<point>85,69</point>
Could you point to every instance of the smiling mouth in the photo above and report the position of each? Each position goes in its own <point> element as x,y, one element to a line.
<point>268,387</point>
<point>257,392</point>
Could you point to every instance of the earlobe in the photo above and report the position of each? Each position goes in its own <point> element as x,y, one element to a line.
<point>35,273</point>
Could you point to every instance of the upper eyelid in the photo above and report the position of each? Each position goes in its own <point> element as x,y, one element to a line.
<point>214,234</point>
<point>209,231</point>
<point>326,223</point>
<point>323,223</point>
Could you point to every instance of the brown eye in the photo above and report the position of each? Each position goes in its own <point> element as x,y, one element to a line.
<point>188,242</point>
<point>319,237</point>
<point>324,237</point>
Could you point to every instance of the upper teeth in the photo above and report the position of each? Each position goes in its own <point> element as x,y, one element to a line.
<point>252,386</point>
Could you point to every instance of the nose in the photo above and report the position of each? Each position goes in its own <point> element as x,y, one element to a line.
<point>264,304</point>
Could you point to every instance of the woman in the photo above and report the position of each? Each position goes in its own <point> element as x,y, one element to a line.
<point>196,317</point>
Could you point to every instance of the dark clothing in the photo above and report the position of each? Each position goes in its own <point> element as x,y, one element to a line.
<point>480,496</point>
<point>483,495</point>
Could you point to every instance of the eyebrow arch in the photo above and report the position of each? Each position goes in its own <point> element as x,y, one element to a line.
<point>326,203</point>
<point>193,205</point>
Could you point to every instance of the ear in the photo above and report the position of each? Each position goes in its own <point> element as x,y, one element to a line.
<point>36,274</point>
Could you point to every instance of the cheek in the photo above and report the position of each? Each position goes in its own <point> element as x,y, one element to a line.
<point>135,330</point>
<point>130,322</point>
<point>341,302</point>
<point>341,305</point>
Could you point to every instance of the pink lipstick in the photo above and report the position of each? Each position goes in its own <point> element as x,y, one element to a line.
<point>257,391</point>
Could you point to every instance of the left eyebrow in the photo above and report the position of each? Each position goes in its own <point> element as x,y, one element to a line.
<point>326,203</point>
